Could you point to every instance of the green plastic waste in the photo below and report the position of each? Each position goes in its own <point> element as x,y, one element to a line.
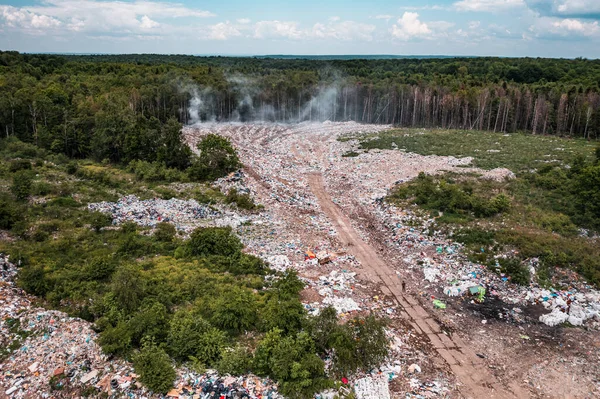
<point>439,304</point>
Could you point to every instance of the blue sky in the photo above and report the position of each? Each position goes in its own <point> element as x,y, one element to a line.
<point>546,28</point>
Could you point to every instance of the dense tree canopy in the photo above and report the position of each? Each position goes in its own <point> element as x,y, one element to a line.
<point>126,107</point>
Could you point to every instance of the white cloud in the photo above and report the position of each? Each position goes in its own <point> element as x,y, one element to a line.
<point>409,27</point>
<point>18,18</point>
<point>333,29</point>
<point>223,31</point>
<point>568,28</point>
<point>97,17</point>
<point>474,24</point>
<point>277,30</point>
<point>334,18</point>
<point>147,23</point>
<point>488,5</point>
<point>244,21</point>
<point>566,8</point>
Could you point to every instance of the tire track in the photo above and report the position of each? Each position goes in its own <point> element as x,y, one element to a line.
<point>476,381</point>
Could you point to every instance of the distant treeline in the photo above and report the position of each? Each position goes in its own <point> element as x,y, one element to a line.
<point>76,104</point>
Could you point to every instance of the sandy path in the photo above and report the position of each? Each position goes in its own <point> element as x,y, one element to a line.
<point>477,381</point>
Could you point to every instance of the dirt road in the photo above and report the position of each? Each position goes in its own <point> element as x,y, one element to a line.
<point>477,381</point>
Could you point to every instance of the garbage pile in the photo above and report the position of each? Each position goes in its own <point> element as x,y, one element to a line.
<point>182,213</point>
<point>210,385</point>
<point>449,268</point>
<point>47,349</point>
<point>334,285</point>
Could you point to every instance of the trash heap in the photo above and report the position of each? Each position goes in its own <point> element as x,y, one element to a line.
<point>442,263</point>
<point>338,283</point>
<point>47,349</point>
<point>181,213</point>
<point>209,384</point>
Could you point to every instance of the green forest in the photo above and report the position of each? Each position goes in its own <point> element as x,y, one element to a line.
<point>127,107</point>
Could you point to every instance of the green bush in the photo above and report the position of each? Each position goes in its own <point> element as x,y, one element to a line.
<point>33,279</point>
<point>474,236</point>
<point>242,201</point>
<point>154,368</point>
<point>235,361</point>
<point>21,186</point>
<point>19,164</point>
<point>235,310</point>
<point>10,214</point>
<point>447,196</point>
<point>217,159</point>
<point>116,340</point>
<point>206,241</point>
<point>72,167</point>
<point>155,171</point>
<point>519,274</point>
<point>98,220</point>
<point>183,337</point>
<point>165,232</point>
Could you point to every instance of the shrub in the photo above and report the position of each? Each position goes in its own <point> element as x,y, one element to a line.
<point>447,196</point>
<point>184,334</point>
<point>242,201</point>
<point>206,241</point>
<point>10,214</point>
<point>519,274</point>
<point>33,280</point>
<point>98,220</point>
<point>210,346</point>
<point>235,361</point>
<point>19,164</point>
<point>72,167</point>
<point>217,159</point>
<point>116,340</point>
<point>235,310</point>
<point>165,232</point>
<point>155,171</point>
<point>154,368</point>
<point>21,185</point>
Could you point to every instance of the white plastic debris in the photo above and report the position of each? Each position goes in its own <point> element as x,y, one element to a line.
<point>372,388</point>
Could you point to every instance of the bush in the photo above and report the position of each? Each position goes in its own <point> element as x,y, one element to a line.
<point>19,164</point>
<point>446,196</point>
<point>242,201</point>
<point>116,340</point>
<point>21,185</point>
<point>184,334</point>
<point>519,274</point>
<point>33,280</point>
<point>72,167</point>
<point>155,171</point>
<point>217,158</point>
<point>235,361</point>
<point>206,241</point>
<point>154,368</point>
<point>10,214</point>
<point>165,232</point>
<point>98,220</point>
<point>235,310</point>
<point>210,346</point>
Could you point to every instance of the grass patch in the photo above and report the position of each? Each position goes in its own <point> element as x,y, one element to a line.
<point>517,152</point>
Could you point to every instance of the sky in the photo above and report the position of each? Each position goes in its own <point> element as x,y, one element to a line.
<point>513,28</point>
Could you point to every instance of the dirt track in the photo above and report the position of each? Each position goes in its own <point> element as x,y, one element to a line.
<point>476,381</point>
